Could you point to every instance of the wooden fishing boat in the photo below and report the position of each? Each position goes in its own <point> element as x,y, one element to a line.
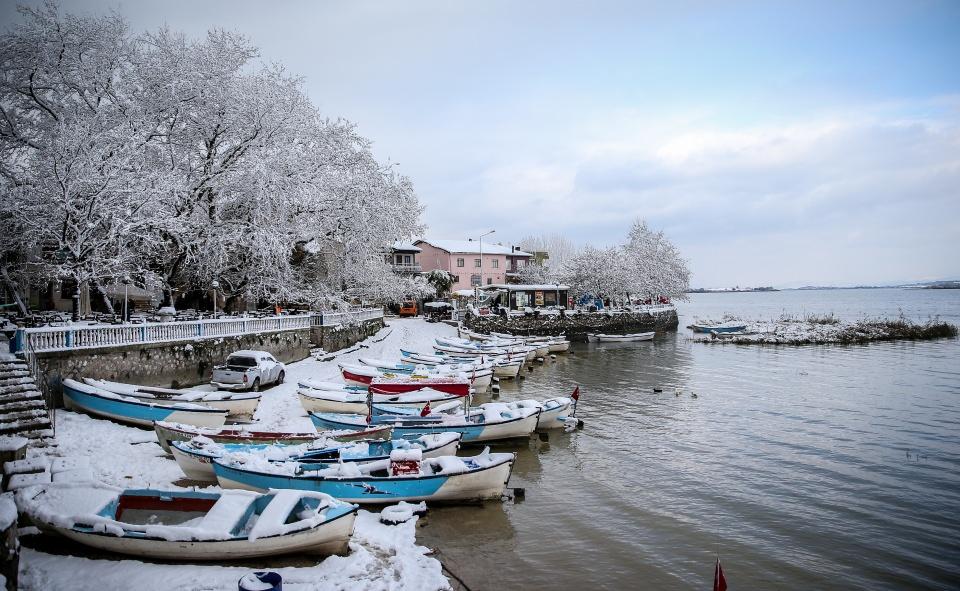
<point>192,525</point>
<point>332,386</point>
<point>241,405</point>
<point>620,338</point>
<point>195,457</point>
<point>135,411</point>
<point>404,477</point>
<point>553,411</point>
<point>502,367</point>
<point>479,374</point>
<point>169,432</point>
<point>475,426</point>
<point>458,386</point>
<point>356,402</point>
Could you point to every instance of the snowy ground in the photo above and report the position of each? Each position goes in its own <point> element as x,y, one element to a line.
<point>381,557</point>
<point>822,330</point>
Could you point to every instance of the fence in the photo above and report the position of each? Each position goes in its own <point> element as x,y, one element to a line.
<point>78,337</point>
<point>347,317</point>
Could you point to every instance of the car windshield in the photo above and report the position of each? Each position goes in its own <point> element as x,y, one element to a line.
<point>241,361</point>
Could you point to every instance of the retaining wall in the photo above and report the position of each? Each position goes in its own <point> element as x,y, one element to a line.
<point>576,326</point>
<point>174,364</point>
<point>334,338</point>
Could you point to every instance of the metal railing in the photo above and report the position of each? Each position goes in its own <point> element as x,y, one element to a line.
<point>407,267</point>
<point>77,337</point>
<point>347,316</point>
<point>40,378</point>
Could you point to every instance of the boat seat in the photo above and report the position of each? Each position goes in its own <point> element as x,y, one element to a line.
<point>227,512</point>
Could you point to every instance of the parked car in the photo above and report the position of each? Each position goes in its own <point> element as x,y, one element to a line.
<point>248,370</point>
<point>408,308</point>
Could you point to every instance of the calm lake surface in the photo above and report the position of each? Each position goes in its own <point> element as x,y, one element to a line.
<point>806,467</point>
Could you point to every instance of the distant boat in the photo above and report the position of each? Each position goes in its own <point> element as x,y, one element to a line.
<point>620,338</point>
<point>718,328</point>
<point>192,525</point>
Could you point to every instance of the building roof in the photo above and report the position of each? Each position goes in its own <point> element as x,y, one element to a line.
<point>473,247</point>
<point>405,246</point>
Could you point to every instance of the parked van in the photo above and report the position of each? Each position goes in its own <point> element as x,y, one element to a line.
<point>408,308</point>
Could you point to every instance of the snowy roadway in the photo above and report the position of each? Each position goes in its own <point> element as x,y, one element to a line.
<point>381,557</point>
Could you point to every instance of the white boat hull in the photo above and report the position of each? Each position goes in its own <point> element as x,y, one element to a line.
<point>331,537</point>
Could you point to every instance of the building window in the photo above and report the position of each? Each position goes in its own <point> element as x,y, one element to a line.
<point>474,280</point>
<point>406,260</point>
<point>456,278</point>
<point>459,262</point>
<point>476,263</point>
<point>489,280</point>
<point>495,263</point>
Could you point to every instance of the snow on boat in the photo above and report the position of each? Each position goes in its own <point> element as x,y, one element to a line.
<point>333,386</point>
<point>478,425</point>
<point>195,457</point>
<point>404,477</point>
<point>480,375</point>
<point>553,411</point>
<point>458,386</point>
<point>719,328</point>
<point>356,402</point>
<point>237,404</point>
<point>192,525</point>
<point>135,411</point>
<point>502,368</point>
<point>169,432</point>
<point>620,338</point>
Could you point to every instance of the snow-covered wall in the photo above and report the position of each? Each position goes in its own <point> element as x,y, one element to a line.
<point>334,338</point>
<point>172,364</point>
<point>576,326</point>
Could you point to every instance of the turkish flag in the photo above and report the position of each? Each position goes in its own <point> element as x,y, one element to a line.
<point>426,409</point>
<point>719,582</point>
<point>576,393</point>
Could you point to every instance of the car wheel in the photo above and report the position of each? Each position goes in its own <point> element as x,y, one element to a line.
<point>281,376</point>
<point>256,385</point>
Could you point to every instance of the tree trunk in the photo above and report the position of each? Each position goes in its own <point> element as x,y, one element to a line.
<point>12,288</point>
<point>103,297</point>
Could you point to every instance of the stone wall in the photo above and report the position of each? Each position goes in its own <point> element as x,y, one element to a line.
<point>334,338</point>
<point>576,326</point>
<point>174,364</point>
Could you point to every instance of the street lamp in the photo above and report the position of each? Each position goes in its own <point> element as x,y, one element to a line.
<point>476,293</point>
<point>215,284</point>
<point>126,285</point>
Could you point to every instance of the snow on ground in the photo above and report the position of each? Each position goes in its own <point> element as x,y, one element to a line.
<point>280,408</point>
<point>381,557</point>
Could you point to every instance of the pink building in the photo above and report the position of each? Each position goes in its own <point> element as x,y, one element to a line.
<point>499,263</point>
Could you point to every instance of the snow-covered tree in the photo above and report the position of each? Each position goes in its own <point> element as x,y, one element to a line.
<point>185,161</point>
<point>441,281</point>
<point>653,265</point>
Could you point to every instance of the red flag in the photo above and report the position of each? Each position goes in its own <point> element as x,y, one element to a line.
<point>426,409</point>
<point>576,393</point>
<point>719,582</point>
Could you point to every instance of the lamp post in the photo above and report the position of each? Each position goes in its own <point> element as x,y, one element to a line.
<point>215,284</point>
<point>126,285</point>
<point>477,292</point>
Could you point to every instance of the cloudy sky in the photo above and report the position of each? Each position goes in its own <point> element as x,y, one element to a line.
<point>776,145</point>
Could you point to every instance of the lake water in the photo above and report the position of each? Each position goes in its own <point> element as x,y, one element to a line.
<point>813,467</point>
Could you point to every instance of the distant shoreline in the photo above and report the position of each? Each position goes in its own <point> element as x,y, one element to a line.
<point>932,285</point>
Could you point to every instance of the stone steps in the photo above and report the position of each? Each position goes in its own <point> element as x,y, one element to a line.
<point>23,410</point>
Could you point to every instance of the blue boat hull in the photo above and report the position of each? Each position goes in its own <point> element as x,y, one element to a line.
<point>478,484</point>
<point>137,413</point>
